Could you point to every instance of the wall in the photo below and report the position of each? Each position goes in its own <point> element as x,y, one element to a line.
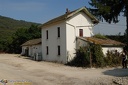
<point>32,50</point>
<point>53,41</point>
<point>105,49</point>
<point>79,21</point>
<point>82,21</point>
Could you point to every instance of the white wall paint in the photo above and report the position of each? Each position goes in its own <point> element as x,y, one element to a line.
<point>79,21</point>
<point>53,41</point>
<point>105,49</point>
<point>33,50</point>
<point>67,40</point>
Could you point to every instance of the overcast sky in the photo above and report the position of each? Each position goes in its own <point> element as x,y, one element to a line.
<point>41,11</point>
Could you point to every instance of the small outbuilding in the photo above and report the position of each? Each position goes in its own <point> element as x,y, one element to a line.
<point>32,48</point>
<point>106,44</point>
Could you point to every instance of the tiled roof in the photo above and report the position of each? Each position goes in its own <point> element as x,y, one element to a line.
<point>102,41</point>
<point>69,15</point>
<point>32,42</point>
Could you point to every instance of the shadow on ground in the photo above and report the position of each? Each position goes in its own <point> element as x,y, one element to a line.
<point>117,72</point>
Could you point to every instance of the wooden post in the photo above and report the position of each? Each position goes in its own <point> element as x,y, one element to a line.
<point>90,60</point>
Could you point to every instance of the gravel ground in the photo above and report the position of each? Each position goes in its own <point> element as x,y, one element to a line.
<point>19,70</point>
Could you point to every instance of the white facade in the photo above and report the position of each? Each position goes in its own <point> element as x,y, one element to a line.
<point>118,49</point>
<point>31,50</point>
<point>51,44</point>
<point>69,30</point>
<point>81,42</point>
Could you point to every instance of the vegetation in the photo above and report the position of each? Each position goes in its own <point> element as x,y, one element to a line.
<point>97,56</point>
<point>107,9</point>
<point>82,58</point>
<point>22,35</point>
<point>100,36</point>
<point>15,32</point>
<point>92,55</point>
<point>96,59</point>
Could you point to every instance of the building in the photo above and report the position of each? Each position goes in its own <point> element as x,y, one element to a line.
<point>32,48</point>
<point>106,44</point>
<point>59,34</point>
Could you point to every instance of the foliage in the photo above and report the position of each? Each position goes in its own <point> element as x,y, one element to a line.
<point>108,9</point>
<point>97,56</point>
<point>11,30</point>
<point>22,35</point>
<point>100,36</point>
<point>113,58</point>
<point>98,59</point>
<point>81,59</point>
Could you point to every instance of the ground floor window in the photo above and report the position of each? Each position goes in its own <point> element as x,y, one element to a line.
<point>47,50</point>
<point>58,50</point>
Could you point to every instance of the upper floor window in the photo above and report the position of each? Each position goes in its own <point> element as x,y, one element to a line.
<point>46,34</point>
<point>81,32</point>
<point>58,31</point>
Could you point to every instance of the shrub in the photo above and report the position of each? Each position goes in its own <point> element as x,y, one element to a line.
<point>113,58</point>
<point>81,59</point>
<point>97,56</point>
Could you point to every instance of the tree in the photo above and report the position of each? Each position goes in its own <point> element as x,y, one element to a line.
<point>110,10</point>
<point>22,35</point>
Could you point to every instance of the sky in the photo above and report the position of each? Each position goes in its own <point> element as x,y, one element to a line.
<point>40,11</point>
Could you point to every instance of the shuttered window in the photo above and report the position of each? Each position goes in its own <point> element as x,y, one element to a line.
<point>46,34</point>
<point>58,50</point>
<point>81,32</point>
<point>58,31</point>
<point>47,50</point>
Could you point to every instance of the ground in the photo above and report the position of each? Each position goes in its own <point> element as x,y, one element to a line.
<point>19,70</point>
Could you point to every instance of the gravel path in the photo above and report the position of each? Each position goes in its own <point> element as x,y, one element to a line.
<point>19,69</point>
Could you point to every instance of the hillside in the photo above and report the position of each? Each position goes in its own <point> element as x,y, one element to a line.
<point>8,26</point>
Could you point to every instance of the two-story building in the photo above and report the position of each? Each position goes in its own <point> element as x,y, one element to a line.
<point>59,34</point>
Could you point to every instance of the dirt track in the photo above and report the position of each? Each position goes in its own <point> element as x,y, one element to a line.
<point>20,69</point>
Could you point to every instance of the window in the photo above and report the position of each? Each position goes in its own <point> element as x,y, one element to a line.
<point>58,50</point>
<point>81,32</point>
<point>46,34</point>
<point>47,51</point>
<point>58,31</point>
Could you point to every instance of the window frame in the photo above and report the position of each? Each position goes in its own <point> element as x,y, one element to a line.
<point>81,32</point>
<point>59,50</point>
<point>46,34</point>
<point>58,32</point>
<point>47,50</point>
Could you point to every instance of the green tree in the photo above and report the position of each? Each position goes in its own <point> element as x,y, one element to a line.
<point>22,35</point>
<point>110,10</point>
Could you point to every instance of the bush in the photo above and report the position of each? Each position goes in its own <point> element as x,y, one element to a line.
<point>97,56</point>
<point>81,59</point>
<point>98,59</point>
<point>113,58</point>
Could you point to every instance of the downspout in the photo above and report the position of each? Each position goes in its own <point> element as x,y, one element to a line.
<point>73,27</point>
<point>74,40</point>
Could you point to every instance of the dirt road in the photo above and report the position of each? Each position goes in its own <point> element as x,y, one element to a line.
<point>18,69</point>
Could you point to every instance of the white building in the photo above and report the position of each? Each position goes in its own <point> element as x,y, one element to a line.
<point>106,44</point>
<point>32,48</point>
<point>59,34</point>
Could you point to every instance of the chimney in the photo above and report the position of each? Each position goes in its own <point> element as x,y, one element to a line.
<point>67,10</point>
